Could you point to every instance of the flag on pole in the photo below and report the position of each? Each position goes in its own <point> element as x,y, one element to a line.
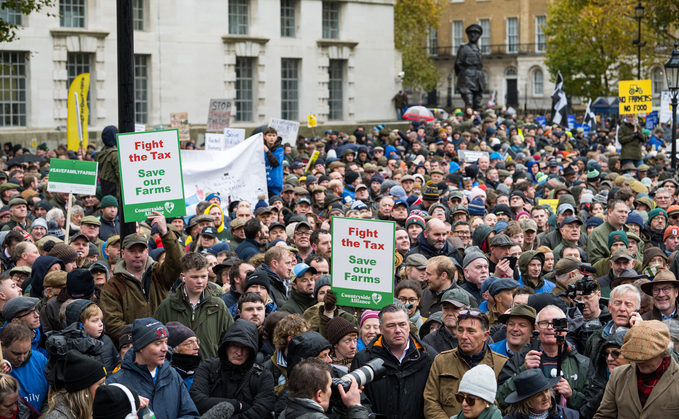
<point>491,102</point>
<point>559,102</point>
<point>590,118</point>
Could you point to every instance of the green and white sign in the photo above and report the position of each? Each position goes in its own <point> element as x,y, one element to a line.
<point>363,262</point>
<point>73,176</point>
<point>151,174</point>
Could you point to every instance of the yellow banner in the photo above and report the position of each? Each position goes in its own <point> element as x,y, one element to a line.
<point>80,85</point>
<point>312,160</point>
<point>635,96</point>
<point>551,202</point>
<point>311,121</point>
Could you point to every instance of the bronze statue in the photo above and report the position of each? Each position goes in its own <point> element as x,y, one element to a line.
<point>468,66</point>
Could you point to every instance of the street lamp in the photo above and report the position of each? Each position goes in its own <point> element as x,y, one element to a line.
<point>449,99</point>
<point>672,74</point>
<point>639,14</point>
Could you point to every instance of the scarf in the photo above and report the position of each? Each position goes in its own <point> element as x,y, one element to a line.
<point>646,382</point>
<point>475,359</point>
<point>491,412</point>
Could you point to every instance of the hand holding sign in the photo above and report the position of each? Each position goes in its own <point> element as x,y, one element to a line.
<point>159,220</point>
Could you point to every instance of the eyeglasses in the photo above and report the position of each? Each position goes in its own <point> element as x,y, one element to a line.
<point>471,400</point>
<point>30,312</point>
<point>191,344</point>
<point>408,300</point>
<point>302,233</point>
<point>544,324</point>
<point>475,313</point>
<point>615,354</point>
<point>663,290</point>
<point>463,233</point>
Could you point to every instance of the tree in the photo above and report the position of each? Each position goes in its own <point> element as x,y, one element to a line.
<point>590,42</point>
<point>8,30</point>
<point>412,20</point>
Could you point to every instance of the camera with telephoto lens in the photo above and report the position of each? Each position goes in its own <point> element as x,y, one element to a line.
<point>586,286</point>
<point>371,371</point>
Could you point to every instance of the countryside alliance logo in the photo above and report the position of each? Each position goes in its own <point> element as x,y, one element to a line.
<point>169,206</point>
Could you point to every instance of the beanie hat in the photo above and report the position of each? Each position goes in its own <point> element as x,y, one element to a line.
<point>322,281</point>
<point>430,193</point>
<point>634,218</point>
<point>213,195</point>
<point>670,231</point>
<point>522,212</point>
<point>125,336</point>
<point>146,331</point>
<point>415,219</point>
<point>615,236</point>
<point>338,328</point>
<point>655,212</point>
<point>39,222</point>
<point>64,252</point>
<point>476,207</point>
<point>471,256</point>
<point>81,371</point>
<point>398,192</point>
<point>350,177</point>
<point>74,309</point>
<point>108,201</point>
<point>258,277</point>
<point>178,333</point>
<point>111,402</point>
<point>480,382</point>
<point>376,178</point>
<point>500,226</point>
<point>79,283</point>
<point>369,314</point>
<point>594,221</point>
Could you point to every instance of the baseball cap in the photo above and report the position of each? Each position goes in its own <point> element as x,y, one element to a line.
<point>132,239</point>
<point>301,268</point>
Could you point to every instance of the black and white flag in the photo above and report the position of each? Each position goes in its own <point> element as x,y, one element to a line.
<point>559,103</point>
<point>590,118</point>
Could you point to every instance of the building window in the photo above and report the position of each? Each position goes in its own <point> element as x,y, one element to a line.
<point>512,35</point>
<point>288,18</point>
<point>138,14</point>
<point>13,89</point>
<point>72,13</point>
<point>658,82</point>
<point>141,89</point>
<point>239,17</point>
<point>486,81</point>
<point>78,63</point>
<point>540,39</point>
<point>484,41</point>
<point>331,19</point>
<point>244,85</point>
<point>538,87</point>
<point>290,89</point>
<point>11,16</point>
<point>432,41</point>
<point>458,37</point>
<point>335,87</point>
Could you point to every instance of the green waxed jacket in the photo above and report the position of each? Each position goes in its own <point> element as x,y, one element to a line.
<point>109,169</point>
<point>630,141</point>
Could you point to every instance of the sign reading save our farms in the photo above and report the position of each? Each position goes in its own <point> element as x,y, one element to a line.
<point>151,174</point>
<point>363,262</point>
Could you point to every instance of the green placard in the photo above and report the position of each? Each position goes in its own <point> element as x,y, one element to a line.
<point>73,176</point>
<point>363,262</point>
<point>151,174</point>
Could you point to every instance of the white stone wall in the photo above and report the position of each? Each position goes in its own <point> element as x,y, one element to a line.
<point>192,58</point>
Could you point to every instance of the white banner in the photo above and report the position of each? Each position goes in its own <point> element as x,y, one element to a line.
<point>287,130</point>
<point>665,114</point>
<point>237,173</point>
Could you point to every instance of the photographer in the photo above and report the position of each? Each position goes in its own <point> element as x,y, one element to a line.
<point>595,314</point>
<point>310,391</point>
<point>498,266</point>
<point>575,367</point>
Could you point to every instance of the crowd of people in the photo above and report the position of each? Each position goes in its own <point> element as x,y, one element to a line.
<point>534,277</point>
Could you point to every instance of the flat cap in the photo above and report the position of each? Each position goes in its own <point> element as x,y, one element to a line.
<point>566,265</point>
<point>18,304</point>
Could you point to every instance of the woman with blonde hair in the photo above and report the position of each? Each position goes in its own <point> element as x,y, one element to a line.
<point>11,405</point>
<point>82,375</point>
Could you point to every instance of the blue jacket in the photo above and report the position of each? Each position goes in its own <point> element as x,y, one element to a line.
<point>274,175</point>
<point>168,396</point>
<point>231,297</point>
<point>349,192</point>
<point>33,384</point>
<point>247,249</point>
<point>548,287</point>
<point>484,307</point>
<point>108,228</point>
<point>36,341</point>
<point>499,347</point>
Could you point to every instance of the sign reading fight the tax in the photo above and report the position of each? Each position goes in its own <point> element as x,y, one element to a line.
<point>151,174</point>
<point>363,262</point>
<point>635,96</point>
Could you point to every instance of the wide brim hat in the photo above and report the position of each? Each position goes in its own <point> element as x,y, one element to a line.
<point>664,276</point>
<point>529,383</point>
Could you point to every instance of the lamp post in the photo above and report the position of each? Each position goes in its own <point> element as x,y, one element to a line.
<point>639,14</point>
<point>672,74</point>
<point>449,99</point>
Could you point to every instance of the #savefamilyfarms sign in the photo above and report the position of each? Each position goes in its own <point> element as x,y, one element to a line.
<point>151,174</point>
<point>363,262</point>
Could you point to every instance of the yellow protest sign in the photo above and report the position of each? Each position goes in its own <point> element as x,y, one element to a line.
<point>551,202</point>
<point>312,160</point>
<point>311,121</point>
<point>80,85</point>
<point>635,96</point>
